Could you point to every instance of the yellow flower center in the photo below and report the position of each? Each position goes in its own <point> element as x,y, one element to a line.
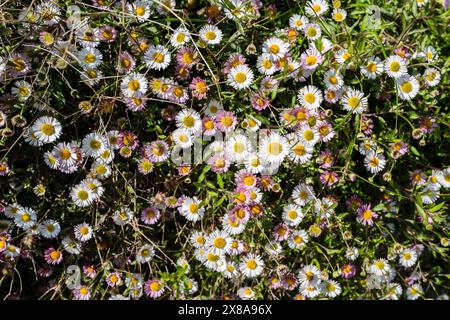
<point>353,102</point>
<point>140,11</point>
<point>48,129</point>
<point>134,85</point>
<point>83,195</point>
<point>274,48</point>
<point>312,32</point>
<point>240,77</point>
<point>188,121</point>
<point>210,35</point>
<point>180,37</point>
<point>311,60</point>
<point>308,135</point>
<point>292,214</point>
<point>158,57</point>
<point>310,97</point>
<point>251,264</point>
<point>395,66</point>
<point>367,214</point>
<point>90,58</point>
<point>372,67</point>
<point>406,87</point>
<point>274,148</point>
<point>193,208</point>
<point>219,242</point>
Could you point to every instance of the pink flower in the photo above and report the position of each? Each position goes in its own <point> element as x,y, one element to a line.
<point>219,163</point>
<point>199,88</point>
<point>53,256</point>
<point>348,271</point>
<point>366,215</point>
<point>281,232</point>
<point>150,215</point>
<point>154,288</point>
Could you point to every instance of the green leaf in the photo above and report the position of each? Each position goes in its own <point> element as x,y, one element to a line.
<point>220,181</point>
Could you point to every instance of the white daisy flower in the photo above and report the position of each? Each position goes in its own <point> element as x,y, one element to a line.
<point>430,194</point>
<point>374,162</point>
<point>380,267</point>
<point>297,22</point>
<point>432,77</point>
<point>393,291</point>
<point>251,266</point>
<point>430,54</point>
<point>408,258</point>
<point>49,229</point>
<point>266,65</point>
<point>191,210</point>
<point>354,101</point>
<point>310,97</point>
<point>157,57</point>
<point>83,232</point>
<point>237,148</point>
<point>12,209</point>
<point>414,292</point>
<point>123,216</point>
<point>395,66</point>
<point>46,129</point>
<point>189,119</point>
<point>219,242</point>
<point>298,239</point>
<point>210,34</point>
<point>182,137</point>
<point>214,106</point>
<point>145,254</point>
<point>407,87</point>
<point>302,194</point>
<point>342,56</point>
<point>65,155</point>
<point>71,246</point>
<point>198,239</point>
<point>133,83</point>
<point>82,196</point>
<point>367,147</point>
<point>330,288</point>
<point>240,77</point>
<point>232,226</point>
<point>316,8</point>
<point>100,170</point>
<point>372,68</point>
<point>333,80</point>
<point>253,163</point>
<point>140,10</point>
<point>312,31</point>
<point>25,218</point>
<point>275,48</point>
<point>246,293</point>
<point>89,58</point>
<point>339,15</point>
<point>21,90</point>
<point>292,215</point>
<point>231,271</point>
<point>180,37</point>
<point>443,177</point>
<point>274,148</point>
<point>307,135</point>
<point>300,152</point>
<point>309,276</point>
<point>215,262</point>
<point>93,144</point>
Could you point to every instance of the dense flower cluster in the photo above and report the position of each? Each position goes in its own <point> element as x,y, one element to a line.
<point>235,149</point>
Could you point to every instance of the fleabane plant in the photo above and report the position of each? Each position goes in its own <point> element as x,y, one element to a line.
<point>224,149</point>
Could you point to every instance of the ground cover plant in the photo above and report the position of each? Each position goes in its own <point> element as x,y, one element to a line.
<point>224,149</point>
